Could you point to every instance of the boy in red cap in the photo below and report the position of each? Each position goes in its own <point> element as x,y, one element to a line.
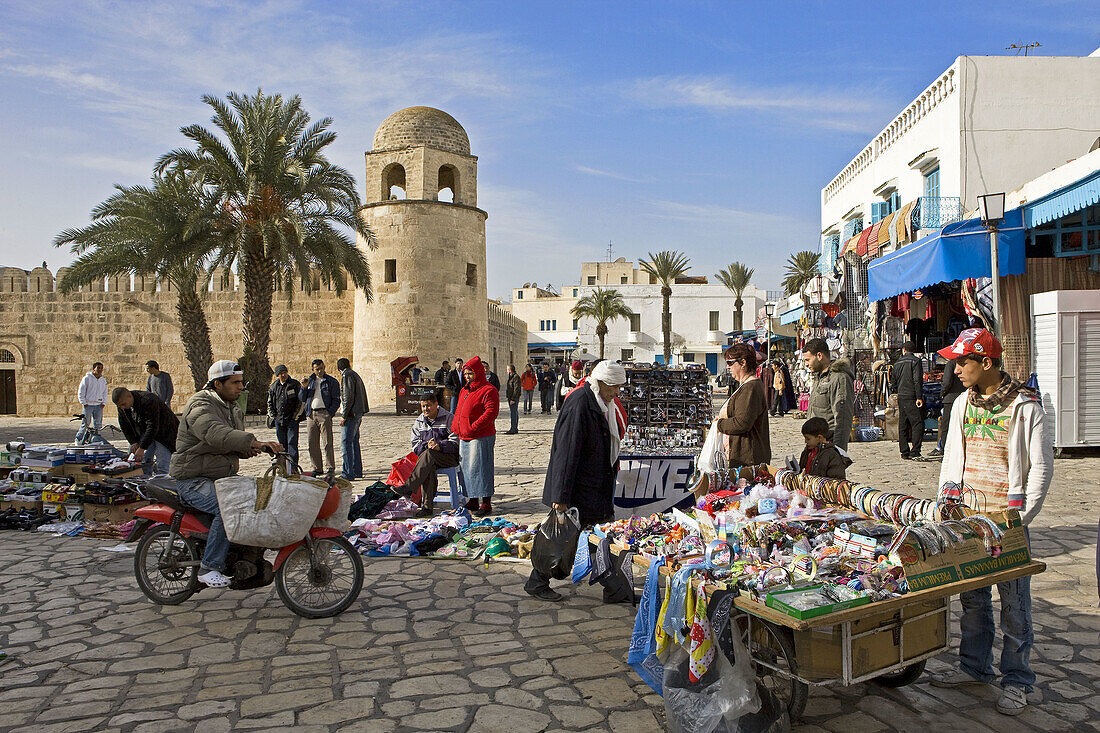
<point>997,443</point>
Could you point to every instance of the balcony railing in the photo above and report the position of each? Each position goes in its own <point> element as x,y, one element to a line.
<point>937,212</point>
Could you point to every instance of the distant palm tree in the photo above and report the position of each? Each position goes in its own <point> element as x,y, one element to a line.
<point>166,229</point>
<point>602,306</point>
<point>801,268</point>
<point>283,206</point>
<point>665,267</point>
<point>737,277</point>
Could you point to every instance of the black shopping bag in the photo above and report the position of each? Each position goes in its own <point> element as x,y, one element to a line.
<point>556,544</point>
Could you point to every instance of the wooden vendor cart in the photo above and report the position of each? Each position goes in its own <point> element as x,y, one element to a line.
<point>888,641</point>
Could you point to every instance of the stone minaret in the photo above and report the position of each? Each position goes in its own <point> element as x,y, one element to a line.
<point>428,271</point>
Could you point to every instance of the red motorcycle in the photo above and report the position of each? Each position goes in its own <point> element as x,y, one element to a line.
<point>316,577</point>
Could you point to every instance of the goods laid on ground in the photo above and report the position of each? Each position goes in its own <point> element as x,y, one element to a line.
<point>823,580</point>
<point>451,535</point>
<point>68,490</point>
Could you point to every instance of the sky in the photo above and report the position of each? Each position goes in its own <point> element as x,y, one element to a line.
<point>704,127</point>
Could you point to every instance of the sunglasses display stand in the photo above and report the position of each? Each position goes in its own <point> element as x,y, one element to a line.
<point>669,410</point>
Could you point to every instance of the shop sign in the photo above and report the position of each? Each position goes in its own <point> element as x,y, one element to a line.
<point>649,484</point>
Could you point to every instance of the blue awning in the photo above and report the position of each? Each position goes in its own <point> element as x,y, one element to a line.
<point>551,345</point>
<point>956,252</point>
<point>1066,200</point>
<point>792,316</point>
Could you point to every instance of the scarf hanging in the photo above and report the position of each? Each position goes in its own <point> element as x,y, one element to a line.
<point>642,654</point>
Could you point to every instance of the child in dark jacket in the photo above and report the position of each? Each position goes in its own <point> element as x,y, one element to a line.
<point>821,457</point>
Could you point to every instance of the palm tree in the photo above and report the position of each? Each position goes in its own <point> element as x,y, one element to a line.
<point>737,277</point>
<point>603,306</point>
<point>665,267</point>
<point>801,268</point>
<point>166,229</point>
<point>283,206</point>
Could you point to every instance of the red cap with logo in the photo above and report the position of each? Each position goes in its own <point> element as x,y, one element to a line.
<point>977,341</point>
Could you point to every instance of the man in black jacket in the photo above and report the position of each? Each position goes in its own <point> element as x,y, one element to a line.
<point>907,381</point>
<point>455,383</point>
<point>353,405</point>
<point>285,410</point>
<point>584,457</point>
<point>150,426</point>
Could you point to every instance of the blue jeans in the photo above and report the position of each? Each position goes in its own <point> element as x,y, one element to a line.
<point>287,435</point>
<point>454,403</point>
<point>93,415</point>
<point>513,410</point>
<point>528,395</point>
<point>978,631</point>
<point>199,494</point>
<point>349,442</point>
<point>476,461</point>
<point>157,457</point>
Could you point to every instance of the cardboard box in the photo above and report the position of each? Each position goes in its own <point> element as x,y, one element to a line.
<point>820,651</point>
<point>968,559</point>
<point>35,506</point>
<point>778,601</point>
<point>113,513</point>
<point>81,476</point>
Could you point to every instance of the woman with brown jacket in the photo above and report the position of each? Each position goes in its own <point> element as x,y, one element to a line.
<point>743,420</point>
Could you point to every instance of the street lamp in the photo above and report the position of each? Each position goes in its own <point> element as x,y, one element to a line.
<point>991,206</point>
<point>769,311</point>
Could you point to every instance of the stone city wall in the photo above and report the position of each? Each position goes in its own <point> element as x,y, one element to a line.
<point>55,338</point>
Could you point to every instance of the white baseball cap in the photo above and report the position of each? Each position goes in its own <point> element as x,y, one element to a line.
<point>222,369</point>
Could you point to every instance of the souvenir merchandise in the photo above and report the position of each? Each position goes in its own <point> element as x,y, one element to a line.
<point>668,409</point>
<point>451,535</point>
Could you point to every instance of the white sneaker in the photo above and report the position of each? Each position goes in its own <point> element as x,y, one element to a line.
<point>214,579</point>
<point>1013,700</point>
<point>954,678</point>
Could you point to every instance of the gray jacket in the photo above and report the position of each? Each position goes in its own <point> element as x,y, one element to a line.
<point>211,438</point>
<point>833,397</point>
<point>353,395</point>
<point>161,386</point>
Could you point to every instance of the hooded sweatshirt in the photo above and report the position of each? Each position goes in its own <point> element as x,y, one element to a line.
<point>478,405</point>
<point>833,397</point>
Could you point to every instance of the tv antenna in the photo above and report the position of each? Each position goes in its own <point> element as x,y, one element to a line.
<point>609,250</point>
<point>1023,47</point>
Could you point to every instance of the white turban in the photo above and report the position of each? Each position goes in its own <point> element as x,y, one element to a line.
<point>609,372</point>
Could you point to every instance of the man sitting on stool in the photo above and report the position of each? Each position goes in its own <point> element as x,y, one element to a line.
<point>436,446</point>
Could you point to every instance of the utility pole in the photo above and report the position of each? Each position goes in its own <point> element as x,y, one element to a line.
<point>609,250</point>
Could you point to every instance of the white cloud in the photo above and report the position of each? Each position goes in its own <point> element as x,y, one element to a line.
<point>133,171</point>
<point>610,174</point>
<point>850,110</point>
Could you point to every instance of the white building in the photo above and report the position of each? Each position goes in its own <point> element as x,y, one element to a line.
<point>703,316</point>
<point>985,125</point>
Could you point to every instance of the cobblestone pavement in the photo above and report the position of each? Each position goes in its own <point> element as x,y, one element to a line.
<point>435,645</point>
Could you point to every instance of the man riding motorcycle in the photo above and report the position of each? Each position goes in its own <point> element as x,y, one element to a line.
<point>209,445</point>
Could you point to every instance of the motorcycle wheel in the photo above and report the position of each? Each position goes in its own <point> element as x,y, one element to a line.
<point>322,585</point>
<point>164,582</point>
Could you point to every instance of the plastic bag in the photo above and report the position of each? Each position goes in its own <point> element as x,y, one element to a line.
<point>270,511</point>
<point>718,700</point>
<point>712,457</point>
<point>556,544</point>
<point>401,470</point>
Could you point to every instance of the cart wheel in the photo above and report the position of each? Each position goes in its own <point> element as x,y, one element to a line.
<point>773,646</point>
<point>903,677</point>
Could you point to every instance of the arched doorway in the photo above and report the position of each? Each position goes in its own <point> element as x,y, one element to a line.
<point>7,382</point>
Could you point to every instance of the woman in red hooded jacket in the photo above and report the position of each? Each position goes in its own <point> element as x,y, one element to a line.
<point>474,425</point>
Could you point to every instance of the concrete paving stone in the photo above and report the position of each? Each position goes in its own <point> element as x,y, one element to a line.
<point>144,663</point>
<point>293,700</point>
<point>230,692</point>
<point>498,660</point>
<point>170,675</point>
<point>633,721</point>
<point>855,723</point>
<point>306,683</point>
<point>301,670</point>
<point>337,711</point>
<point>564,694</point>
<point>494,718</point>
<point>492,678</point>
<point>608,692</point>
<point>440,684</point>
<point>69,726</point>
<point>469,699</point>
<point>583,666</point>
<point>278,720</point>
<point>375,725</point>
<point>74,711</point>
<point>517,698</point>
<point>575,716</point>
<point>439,720</point>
